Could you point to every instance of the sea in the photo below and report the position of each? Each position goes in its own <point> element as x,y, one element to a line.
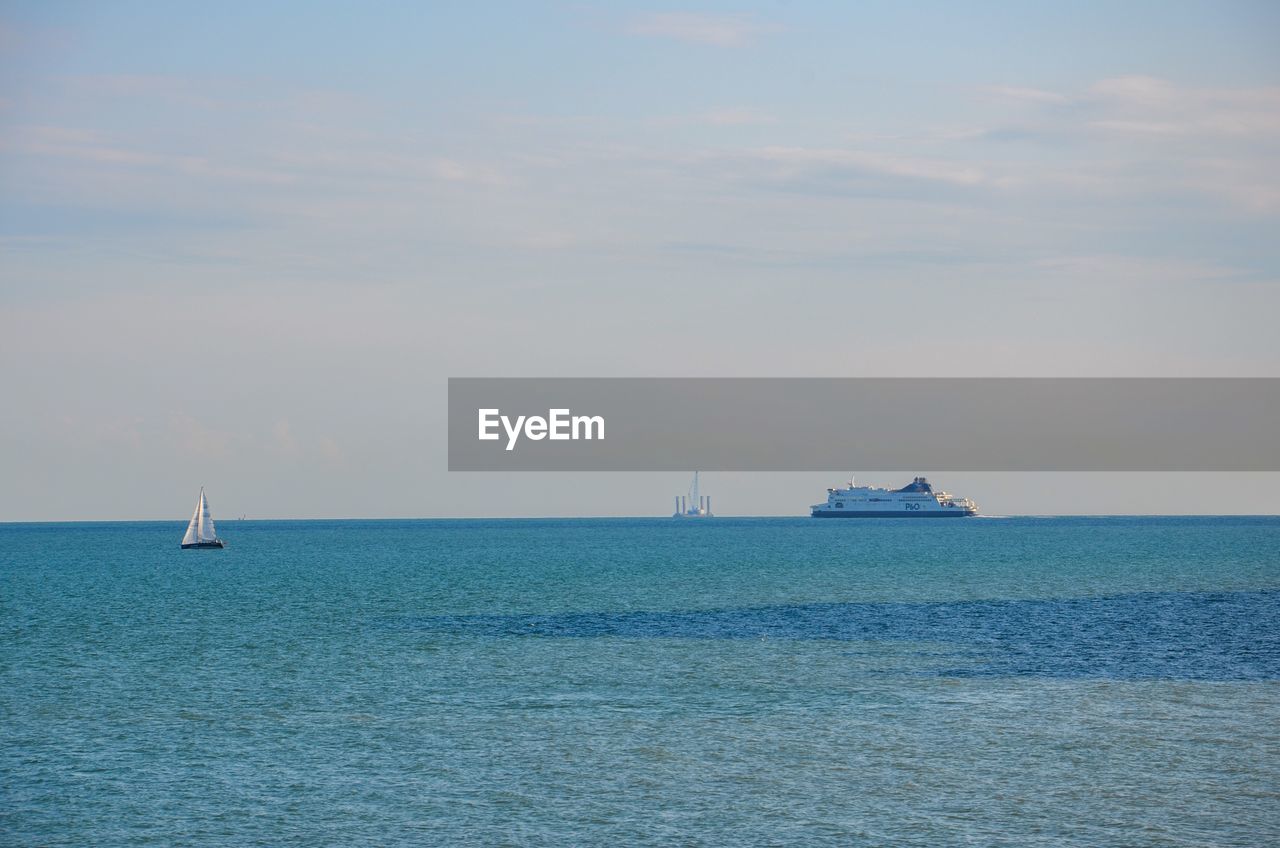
<point>616,682</point>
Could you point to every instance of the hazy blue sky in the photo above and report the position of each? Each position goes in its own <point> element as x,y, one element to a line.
<point>244,245</point>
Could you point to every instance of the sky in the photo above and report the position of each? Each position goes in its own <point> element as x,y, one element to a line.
<point>245,245</point>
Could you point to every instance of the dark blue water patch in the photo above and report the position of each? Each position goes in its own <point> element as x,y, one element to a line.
<point>1148,635</point>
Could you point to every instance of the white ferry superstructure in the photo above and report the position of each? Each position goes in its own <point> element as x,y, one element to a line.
<point>915,500</point>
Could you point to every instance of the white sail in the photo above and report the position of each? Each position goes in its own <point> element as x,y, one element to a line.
<point>193,529</point>
<point>201,527</point>
<point>207,533</point>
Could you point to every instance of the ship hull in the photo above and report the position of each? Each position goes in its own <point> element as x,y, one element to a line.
<point>218,544</point>
<point>849,513</point>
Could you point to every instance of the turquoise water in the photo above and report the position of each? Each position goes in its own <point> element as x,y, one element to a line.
<point>1064,681</point>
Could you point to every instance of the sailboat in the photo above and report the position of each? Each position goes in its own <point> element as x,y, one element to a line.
<point>200,532</point>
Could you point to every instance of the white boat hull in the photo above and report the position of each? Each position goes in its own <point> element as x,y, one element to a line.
<point>888,513</point>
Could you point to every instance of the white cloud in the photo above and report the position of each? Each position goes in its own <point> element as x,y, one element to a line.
<point>1146,105</point>
<point>1138,136</point>
<point>1137,90</point>
<point>918,168</point>
<point>282,434</point>
<point>195,439</point>
<point>737,117</point>
<point>1130,269</point>
<point>717,30</point>
<point>329,449</point>
<point>1140,104</point>
<point>455,171</point>
<point>1032,95</point>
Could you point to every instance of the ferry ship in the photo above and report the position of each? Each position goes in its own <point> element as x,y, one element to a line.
<point>916,500</point>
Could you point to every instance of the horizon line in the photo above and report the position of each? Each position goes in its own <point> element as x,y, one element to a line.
<point>227,521</point>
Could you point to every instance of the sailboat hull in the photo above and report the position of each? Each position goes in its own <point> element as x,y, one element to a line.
<point>214,544</point>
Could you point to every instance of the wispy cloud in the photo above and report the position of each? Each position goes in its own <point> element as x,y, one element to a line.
<point>717,30</point>
<point>722,117</point>
<point>282,161</point>
<point>737,117</point>
<point>1141,104</point>
<point>1131,269</point>
<point>282,434</point>
<point>910,167</point>
<point>1032,95</point>
<point>1143,136</point>
<point>197,439</point>
<point>1154,106</point>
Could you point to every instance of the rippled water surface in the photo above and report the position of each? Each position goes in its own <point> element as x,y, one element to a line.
<point>1062,681</point>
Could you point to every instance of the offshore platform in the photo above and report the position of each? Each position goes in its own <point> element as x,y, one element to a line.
<point>693,505</point>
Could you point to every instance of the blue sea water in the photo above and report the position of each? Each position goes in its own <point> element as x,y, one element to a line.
<point>1021,682</point>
